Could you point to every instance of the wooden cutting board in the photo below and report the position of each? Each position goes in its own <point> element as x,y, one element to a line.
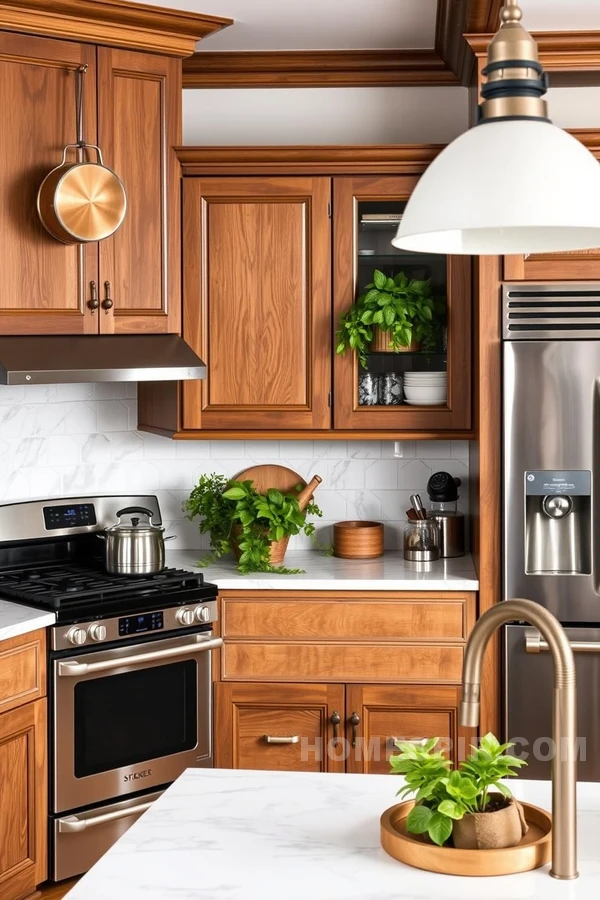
<point>265,477</point>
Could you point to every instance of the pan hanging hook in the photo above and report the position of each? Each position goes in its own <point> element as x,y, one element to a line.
<point>79,73</point>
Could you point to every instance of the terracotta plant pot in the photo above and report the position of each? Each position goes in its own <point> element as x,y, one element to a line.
<point>277,549</point>
<point>504,827</point>
<point>381,340</point>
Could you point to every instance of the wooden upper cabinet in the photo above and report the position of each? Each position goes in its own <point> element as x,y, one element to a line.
<point>575,265</point>
<point>366,214</point>
<point>257,304</point>
<point>44,285</point>
<point>139,121</point>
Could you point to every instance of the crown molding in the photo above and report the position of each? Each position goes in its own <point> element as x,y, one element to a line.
<point>380,159</point>
<point>321,68</point>
<point>113,22</point>
<point>571,57</point>
<point>589,137</point>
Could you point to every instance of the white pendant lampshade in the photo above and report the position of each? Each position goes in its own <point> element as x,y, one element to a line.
<point>514,183</point>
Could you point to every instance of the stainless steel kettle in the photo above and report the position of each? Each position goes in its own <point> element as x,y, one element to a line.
<point>136,547</point>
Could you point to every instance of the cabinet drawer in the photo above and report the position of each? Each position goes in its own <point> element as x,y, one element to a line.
<point>22,669</point>
<point>440,619</point>
<point>276,726</point>
<point>327,661</point>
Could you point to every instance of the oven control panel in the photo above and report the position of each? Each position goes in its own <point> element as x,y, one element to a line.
<point>122,628</point>
<point>73,515</point>
<point>152,621</point>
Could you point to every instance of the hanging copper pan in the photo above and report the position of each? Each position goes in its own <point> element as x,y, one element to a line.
<point>81,201</point>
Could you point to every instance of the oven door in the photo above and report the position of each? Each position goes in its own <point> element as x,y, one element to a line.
<point>130,718</point>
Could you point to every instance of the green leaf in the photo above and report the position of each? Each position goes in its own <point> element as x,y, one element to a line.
<point>378,317</point>
<point>380,279</point>
<point>388,315</point>
<point>418,819</point>
<point>234,493</point>
<point>390,284</point>
<point>489,744</point>
<point>275,496</point>
<point>440,828</point>
<point>340,348</point>
<point>371,296</point>
<point>367,317</point>
<point>502,788</point>
<point>451,808</point>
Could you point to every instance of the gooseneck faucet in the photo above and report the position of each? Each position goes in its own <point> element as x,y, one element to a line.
<point>564,766</point>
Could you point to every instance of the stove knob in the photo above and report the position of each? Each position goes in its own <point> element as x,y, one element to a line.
<point>97,632</point>
<point>185,616</point>
<point>202,613</point>
<point>76,635</point>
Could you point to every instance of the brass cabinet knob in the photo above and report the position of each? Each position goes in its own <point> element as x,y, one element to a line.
<point>93,302</point>
<point>107,303</point>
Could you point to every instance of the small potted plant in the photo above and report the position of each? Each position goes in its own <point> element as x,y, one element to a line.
<point>255,527</point>
<point>468,805</point>
<point>393,315</point>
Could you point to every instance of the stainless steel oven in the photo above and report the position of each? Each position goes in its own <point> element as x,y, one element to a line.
<point>130,718</point>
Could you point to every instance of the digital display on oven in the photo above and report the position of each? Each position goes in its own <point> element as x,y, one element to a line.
<point>152,621</point>
<point>70,516</point>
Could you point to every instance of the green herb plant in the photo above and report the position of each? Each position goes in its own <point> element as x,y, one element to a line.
<point>404,308</point>
<point>233,512</point>
<point>444,795</point>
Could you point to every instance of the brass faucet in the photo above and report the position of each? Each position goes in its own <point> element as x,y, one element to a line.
<point>564,766</point>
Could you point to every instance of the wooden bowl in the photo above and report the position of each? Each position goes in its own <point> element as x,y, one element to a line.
<point>533,851</point>
<point>358,540</point>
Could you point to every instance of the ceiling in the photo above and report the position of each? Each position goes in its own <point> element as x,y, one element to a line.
<point>358,24</point>
<point>317,24</point>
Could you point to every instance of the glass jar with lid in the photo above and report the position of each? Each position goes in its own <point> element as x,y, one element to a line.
<point>421,540</point>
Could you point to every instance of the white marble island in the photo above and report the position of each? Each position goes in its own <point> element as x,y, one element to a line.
<point>219,834</point>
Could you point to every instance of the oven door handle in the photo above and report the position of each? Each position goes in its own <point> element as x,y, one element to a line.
<point>71,824</point>
<point>75,669</point>
<point>535,644</point>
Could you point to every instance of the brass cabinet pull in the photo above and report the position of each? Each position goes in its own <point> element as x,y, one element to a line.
<point>107,303</point>
<point>335,721</point>
<point>420,742</point>
<point>292,739</point>
<point>94,303</point>
<point>355,722</point>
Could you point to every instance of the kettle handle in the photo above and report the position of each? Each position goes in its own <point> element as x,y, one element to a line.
<point>135,509</point>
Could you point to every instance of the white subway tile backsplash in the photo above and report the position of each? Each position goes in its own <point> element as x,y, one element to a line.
<point>65,440</point>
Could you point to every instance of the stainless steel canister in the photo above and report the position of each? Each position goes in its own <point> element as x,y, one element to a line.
<point>451,528</point>
<point>421,541</point>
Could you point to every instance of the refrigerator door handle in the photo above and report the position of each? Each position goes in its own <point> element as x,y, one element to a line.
<point>535,644</point>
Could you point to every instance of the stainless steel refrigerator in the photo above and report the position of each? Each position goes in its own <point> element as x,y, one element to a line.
<point>551,391</point>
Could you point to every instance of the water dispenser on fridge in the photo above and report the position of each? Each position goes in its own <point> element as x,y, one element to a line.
<point>558,516</point>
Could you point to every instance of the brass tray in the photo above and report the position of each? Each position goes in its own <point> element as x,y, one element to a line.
<point>535,849</point>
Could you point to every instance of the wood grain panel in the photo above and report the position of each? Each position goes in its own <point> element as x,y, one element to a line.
<point>133,25</point>
<point>348,414</point>
<point>346,619</point>
<point>23,800</point>
<point>578,265</point>
<point>456,18</point>
<point>44,285</point>
<point>335,662</point>
<point>402,712</point>
<point>316,68</point>
<point>22,669</point>
<point>257,302</point>
<point>139,120</point>
<point>245,713</point>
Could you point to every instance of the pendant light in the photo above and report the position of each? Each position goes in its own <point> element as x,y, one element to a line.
<point>514,183</point>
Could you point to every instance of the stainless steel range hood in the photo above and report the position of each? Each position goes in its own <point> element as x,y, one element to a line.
<point>67,359</point>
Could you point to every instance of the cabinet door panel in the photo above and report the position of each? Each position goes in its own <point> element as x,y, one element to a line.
<point>407,712</point>
<point>23,799</point>
<point>139,120</point>
<point>364,224</point>
<point>297,714</point>
<point>257,302</point>
<point>44,284</point>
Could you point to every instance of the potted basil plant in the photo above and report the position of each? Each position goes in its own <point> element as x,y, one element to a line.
<point>394,314</point>
<point>469,805</point>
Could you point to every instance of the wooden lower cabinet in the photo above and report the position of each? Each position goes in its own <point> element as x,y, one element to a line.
<point>277,726</point>
<point>387,713</point>
<point>23,800</point>
<point>301,718</point>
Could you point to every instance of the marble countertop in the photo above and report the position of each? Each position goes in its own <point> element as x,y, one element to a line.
<point>16,619</point>
<point>244,835</point>
<point>388,573</point>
